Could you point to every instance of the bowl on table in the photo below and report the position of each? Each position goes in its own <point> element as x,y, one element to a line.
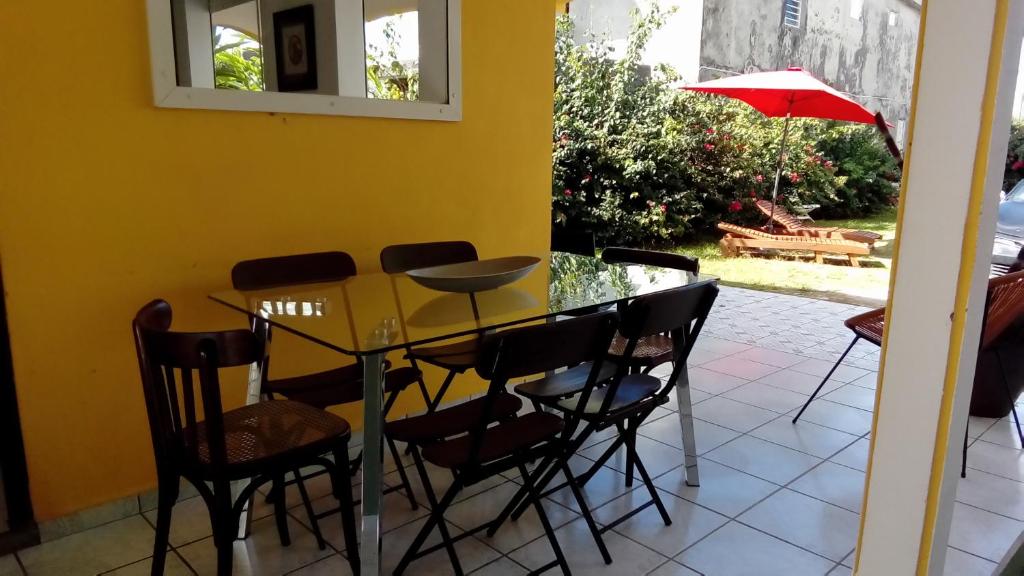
<point>476,275</point>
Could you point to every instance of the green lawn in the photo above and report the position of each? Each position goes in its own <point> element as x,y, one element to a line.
<point>834,280</point>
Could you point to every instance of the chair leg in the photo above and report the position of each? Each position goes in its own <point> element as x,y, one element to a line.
<point>432,500</point>
<point>436,518</point>
<point>538,505</point>
<point>281,510</point>
<point>441,391</point>
<point>401,472</point>
<point>1009,396</point>
<point>225,526</point>
<point>827,376</point>
<point>314,524</point>
<point>516,502</point>
<point>963,464</point>
<point>585,509</point>
<point>342,486</point>
<point>649,483</point>
<point>167,495</point>
<point>630,451</point>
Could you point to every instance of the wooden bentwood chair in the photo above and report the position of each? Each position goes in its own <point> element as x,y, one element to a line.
<point>261,442</point>
<point>625,400</point>
<point>484,437</point>
<point>328,388</point>
<point>457,357</point>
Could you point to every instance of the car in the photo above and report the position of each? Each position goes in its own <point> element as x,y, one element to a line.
<point>1009,243</point>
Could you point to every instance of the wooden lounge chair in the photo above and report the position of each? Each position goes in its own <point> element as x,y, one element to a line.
<point>790,225</point>
<point>740,239</point>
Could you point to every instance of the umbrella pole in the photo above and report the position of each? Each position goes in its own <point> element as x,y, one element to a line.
<point>778,172</point>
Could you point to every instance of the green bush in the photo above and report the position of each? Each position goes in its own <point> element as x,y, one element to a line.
<point>639,162</point>
<point>1014,157</point>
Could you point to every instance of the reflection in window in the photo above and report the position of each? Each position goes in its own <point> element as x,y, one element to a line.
<point>237,60</point>
<point>392,57</point>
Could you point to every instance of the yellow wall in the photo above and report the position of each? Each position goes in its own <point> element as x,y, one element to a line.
<point>107,202</point>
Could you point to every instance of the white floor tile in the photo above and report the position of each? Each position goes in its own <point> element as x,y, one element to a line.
<point>770,357</point>
<point>92,552</point>
<point>673,568</point>
<point>809,523</point>
<point>767,397</point>
<point>804,436</point>
<point>721,489</point>
<point>658,458</point>
<point>261,554</point>
<point>834,484</point>
<point>799,382</point>
<point>690,522</point>
<point>963,564</point>
<point>977,426</point>
<point>501,567</point>
<point>820,368</point>
<point>763,459</point>
<point>334,565</point>
<point>605,486</point>
<point>855,456</point>
<point>854,396</point>
<point>837,416</point>
<point>172,567</point>
<point>1004,433</point>
<point>9,566</point>
<point>190,520</point>
<point>472,552</point>
<point>869,381</point>
<point>713,382</point>
<point>740,368</point>
<point>719,345</point>
<point>578,546</point>
<point>736,550</point>
<point>996,459</point>
<point>841,570</point>
<point>992,493</point>
<point>982,533</point>
<point>668,430</point>
<point>732,414</point>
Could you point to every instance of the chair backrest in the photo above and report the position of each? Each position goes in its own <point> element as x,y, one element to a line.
<point>1004,306</point>
<point>780,215</point>
<point>537,349</point>
<point>616,255</point>
<point>263,273</point>
<point>573,241</point>
<point>171,400</point>
<point>404,257</point>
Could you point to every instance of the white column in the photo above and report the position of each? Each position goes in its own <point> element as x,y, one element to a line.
<point>955,153</point>
<point>433,31</point>
<point>193,43</point>
<point>351,45</point>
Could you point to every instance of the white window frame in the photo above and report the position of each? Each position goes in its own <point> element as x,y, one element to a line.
<point>167,93</point>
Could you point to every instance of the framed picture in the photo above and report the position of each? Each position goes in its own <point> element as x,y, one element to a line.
<point>295,47</point>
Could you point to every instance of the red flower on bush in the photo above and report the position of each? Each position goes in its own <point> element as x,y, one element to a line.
<point>564,138</point>
<point>735,206</point>
<point>664,208</point>
<point>828,163</point>
<point>759,178</point>
<point>587,178</point>
<point>753,193</point>
<point>709,131</point>
<point>794,177</point>
<point>709,147</point>
<point>567,192</point>
<point>1018,165</point>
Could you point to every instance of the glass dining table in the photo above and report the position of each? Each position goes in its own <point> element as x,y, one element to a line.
<point>370,315</point>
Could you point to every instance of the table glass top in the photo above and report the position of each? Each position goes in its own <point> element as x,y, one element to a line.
<point>377,312</point>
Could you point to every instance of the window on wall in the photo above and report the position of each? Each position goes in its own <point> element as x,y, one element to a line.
<point>856,9</point>
<point>792,13</point>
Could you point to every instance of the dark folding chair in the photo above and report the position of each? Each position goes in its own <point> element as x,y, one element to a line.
<point>261,442</point>
<point>573,242</point>
<point>484,437</point>
<point>456,357</point>
<point>328,388</point>
<point>626,400</point>
<point>657,349</point>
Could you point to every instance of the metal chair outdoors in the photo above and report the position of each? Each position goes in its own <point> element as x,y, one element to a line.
<point>484,437</point>
<point>624,400</point>
<point>1004,308</point>
<point>457,357</point>
<point>260,442</point>
<point>328,388</point>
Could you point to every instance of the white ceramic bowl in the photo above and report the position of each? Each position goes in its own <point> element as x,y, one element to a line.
<point>475,276</point>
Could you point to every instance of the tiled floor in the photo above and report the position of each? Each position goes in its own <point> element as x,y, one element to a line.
<point>775,498</point>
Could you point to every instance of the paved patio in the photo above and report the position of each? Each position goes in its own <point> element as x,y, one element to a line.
<point>776,498</point>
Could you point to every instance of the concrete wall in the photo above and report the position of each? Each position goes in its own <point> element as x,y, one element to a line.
<point>676,44</point>
<point>868,58</point>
